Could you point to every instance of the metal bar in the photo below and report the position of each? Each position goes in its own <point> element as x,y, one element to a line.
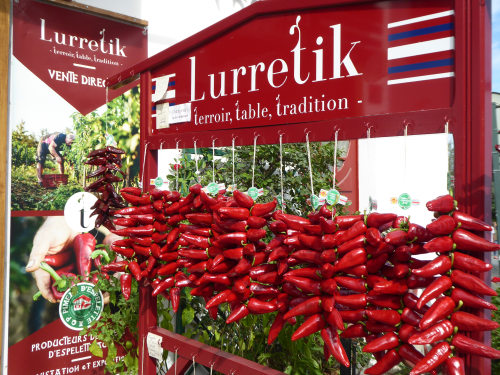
<point>182,366</point>
<point>147,303</point>
<point>495,160</point>
<point>207,355</point>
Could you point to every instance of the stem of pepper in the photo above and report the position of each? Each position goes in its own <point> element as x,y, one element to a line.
<point>59,282</point>
<point>37,295</point>
<point>104,254</point>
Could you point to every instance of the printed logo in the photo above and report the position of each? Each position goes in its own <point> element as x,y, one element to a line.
<point>80,310</point>
<point>404,201</point>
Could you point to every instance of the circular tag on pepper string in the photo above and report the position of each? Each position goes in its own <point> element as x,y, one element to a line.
<point>280,201</point>
<point>404,201</point>
<point>213,188</point>
<point>314,201</point>
<point>158,182</point>
<point>77,212</point>
<point>80,309</point>
<point>110,140</point>
<point>253,192</point>
<point>333,197</point>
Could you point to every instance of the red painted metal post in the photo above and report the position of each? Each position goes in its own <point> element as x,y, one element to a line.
<point>147,303</point>
<point>472,133</point>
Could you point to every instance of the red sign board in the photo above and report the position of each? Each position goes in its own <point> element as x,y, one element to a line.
<point>73,52</point>
<point>56,349</point>
<point>313,65</point>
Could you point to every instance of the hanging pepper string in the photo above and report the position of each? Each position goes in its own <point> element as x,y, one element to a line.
<point>175,367</point>
<point>368,134</point>
<point>106,111</point>
<point>233,160</point>
<point>213,159</point>
<point>177,167</point>
<point>281,169</point>
<point>254,152</point>
<point>335,165</point>
<point>309,159</point>
<point>405,136</point>
<point>194,366</point>
<point>144,165</point>
<point>196,161</point>
<point>446,130</point>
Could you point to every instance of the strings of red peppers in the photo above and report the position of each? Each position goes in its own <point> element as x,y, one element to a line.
<point>351,274</point>
<point>107,162</point>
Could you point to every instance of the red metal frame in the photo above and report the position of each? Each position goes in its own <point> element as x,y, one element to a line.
<point>469,118</point>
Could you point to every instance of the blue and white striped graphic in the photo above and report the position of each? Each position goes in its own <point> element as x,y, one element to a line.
<point>421,48</point>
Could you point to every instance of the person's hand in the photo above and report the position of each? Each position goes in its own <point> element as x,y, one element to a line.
<point>59,160</point>
<point>53,237</point>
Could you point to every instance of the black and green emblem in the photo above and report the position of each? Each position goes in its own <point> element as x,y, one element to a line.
<point>82,308</point>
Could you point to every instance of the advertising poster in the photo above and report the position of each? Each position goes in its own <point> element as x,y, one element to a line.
<point>61,58</point>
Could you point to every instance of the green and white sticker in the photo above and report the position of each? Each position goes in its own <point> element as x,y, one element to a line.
<point>110,140</point>
<point>253,192</point>
<point>282,204</point>
<point>80,310</point>
<point>333,196</point>
<point>314,201</point>
<point>213,188</point>
<point>158,182</point>
<point>404,201</point>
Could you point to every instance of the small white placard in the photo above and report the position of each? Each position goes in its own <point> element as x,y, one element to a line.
<point>162,116</point>
<point>180,113</point>
<point>154,346</point>
<point>161,88</point>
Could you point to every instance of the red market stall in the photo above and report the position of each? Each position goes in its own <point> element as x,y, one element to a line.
<point>293,68</point>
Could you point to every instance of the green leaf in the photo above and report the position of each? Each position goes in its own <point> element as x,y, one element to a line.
<point>112,351</point>
<point>95,349</point>
<point>74,290</point>
<point>187,315</point>
<point>112,298</point>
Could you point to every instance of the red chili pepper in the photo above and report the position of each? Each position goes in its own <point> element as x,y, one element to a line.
<point>238,313</point>
<point>442,226</point>
<point>389,317</point>
<point>406,331</point>
<point>314,229</point>
<point>62,280</point>
<point>356,230</point>
<point>454,366</point>
<point>387,362</point>
<point>276,328</point>
<point>199,241</point>
<point>198,218</point>
<point>471,283</point>
<point>308,307</point>
<point>469,322</point>
<point>468,263</point>
<point>261,209</point>
<point>470,300</point>
<point>243,200</point>
<point>443,307</point>
<point>438,266</point>
<point>378,327</point>
<point>345,222</point>
<point>412,355</point>
<point>313,324</point>
<point>255,235</point>
<point>443,203</point>
<point>354,331</point>
<point>115,267</point>
<point>376,220</point>
<point>257,289</point>
<point>231,239</point>
<point>259,307</point>
<point>59,260</point>
<point>126,285</point>
<point>311,242</point>
<point>175,297</point>
<point>437,355</point>
<point>387,342</point>
<point>277,227</point>
<point>84,245</point>
<point>351,244</point>
<point>470,223</point>
<point>167,269</point>
<point>375,265</point>
<point>294,222</point>
<point>352,283</point>
<point>335,348</point>
<point>351,259</point>
<point>437,332</point>
<point>309,256</point>
<point>396,287</point>
<point>419,233</point>
<point>434,290</point>
<point>373,237</point>
<point>466,345</point>
<point>307,285</point>
<point>353,301</point>
<point>96,161</point>
<point>135,270</point>
<point>408,316</point>
<point>292,290</point>
<point>384,300</point>
<point>396,238</point>
<point>383,248</point>
<point>236,213</point>
<point>163,285</point>
<point>470,242</point>
<point>327,226</point>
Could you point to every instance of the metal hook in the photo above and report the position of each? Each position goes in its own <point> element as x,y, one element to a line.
<point>255,135</point>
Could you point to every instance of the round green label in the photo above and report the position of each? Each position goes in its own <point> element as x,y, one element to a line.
<point>83,308</point>
<point>110,140</point>
<point>332,197</point>
<point>404,201</point>
<point>213,188</point>
<point>158,182</point>
<point>253,192</point>
<point>314,201</point>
